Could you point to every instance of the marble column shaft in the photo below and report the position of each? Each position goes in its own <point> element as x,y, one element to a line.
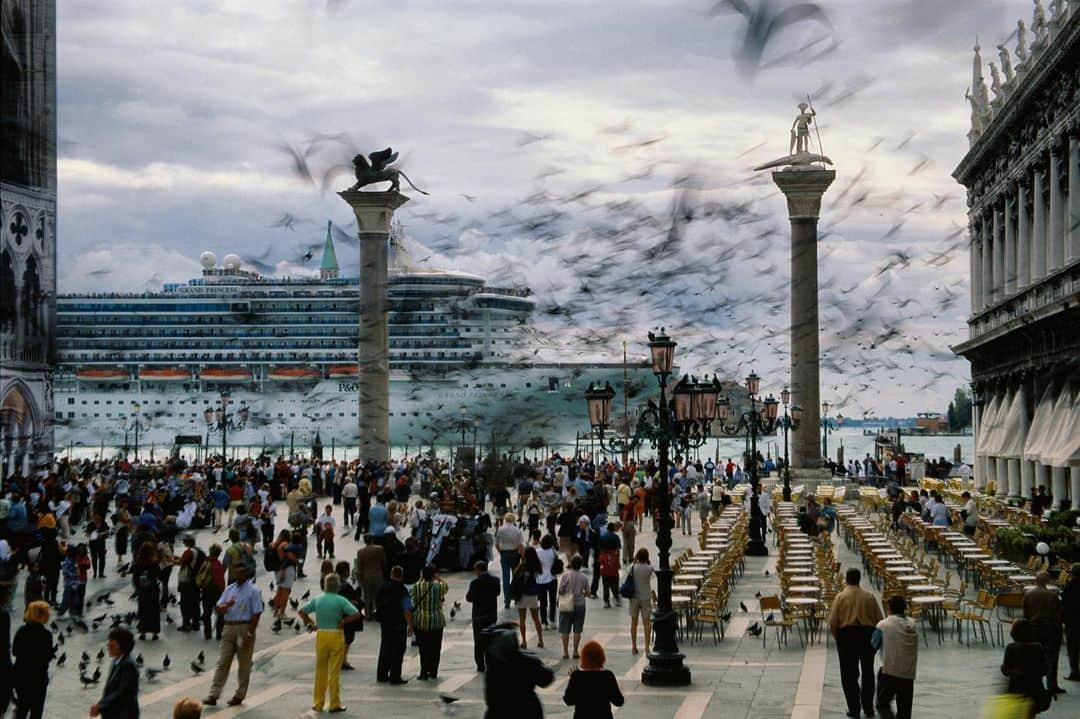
<point>1010,248</point>
<point>997,291</point>
<point>1038,240</point>
<point>987,261</point>
<point>1072,229</point>
<point>1056,240</point>
<point>803,189</point>
<point>1023,237</point>
<point>975,260</point>
<point>374,212</point>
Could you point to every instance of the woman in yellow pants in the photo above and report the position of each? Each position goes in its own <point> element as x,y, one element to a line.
<point>332,612</point>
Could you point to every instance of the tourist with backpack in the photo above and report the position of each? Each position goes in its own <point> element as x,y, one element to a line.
<point>210,579</point>
<point>239,554</point>
<point>190,563</point>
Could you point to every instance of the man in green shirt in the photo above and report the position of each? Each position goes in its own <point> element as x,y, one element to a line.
<point>332,612</point>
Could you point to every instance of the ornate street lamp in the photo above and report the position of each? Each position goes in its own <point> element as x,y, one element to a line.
<point>220,419</point>
<point>682,421</point>
<point>136,422</point>
<point>750,423</point>
<point>788,422</point>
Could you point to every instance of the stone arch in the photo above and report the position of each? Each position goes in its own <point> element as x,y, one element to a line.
<point>19,424</point>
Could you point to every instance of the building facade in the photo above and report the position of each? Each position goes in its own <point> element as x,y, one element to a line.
<point>27,232</point>
<point>1022,174</point>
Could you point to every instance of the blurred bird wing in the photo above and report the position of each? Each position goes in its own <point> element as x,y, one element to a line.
<point>798,13</point>
<point>739,6</point>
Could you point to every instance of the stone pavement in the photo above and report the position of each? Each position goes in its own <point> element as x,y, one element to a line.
<point>735,679</point>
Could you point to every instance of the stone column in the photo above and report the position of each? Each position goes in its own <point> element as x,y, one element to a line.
<point>1023,235</point>
<point>374,211</point>
<point>998,267</point>
<point>1059,485</point>
<point>1056,240</point>
<point>1038,240</point>
<point>1073,224</point>
<point>1074,485</point>
<point>1010,248</point>
<point>1042,476</point>
<point>987,262</point>
<point>975,258</point>
<point>804,186</point>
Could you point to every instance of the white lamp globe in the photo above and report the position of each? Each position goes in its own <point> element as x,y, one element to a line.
<point>1042,548</point>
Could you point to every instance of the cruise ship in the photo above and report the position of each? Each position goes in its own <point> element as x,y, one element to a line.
<point>280,355</point>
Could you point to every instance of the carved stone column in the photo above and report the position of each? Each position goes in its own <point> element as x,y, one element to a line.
<point>1023,245</point>
<point>987,261</point>
<point>998,282</point>
<point>374,211</point>
<point>803,188</point>
<point>1056,239</point>
<point>1010,247</point>
<point>975,259</point>
<point>1072,253</point>
<point>1038,231</point>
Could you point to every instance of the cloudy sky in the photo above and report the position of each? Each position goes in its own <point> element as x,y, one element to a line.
<point>554,138</point>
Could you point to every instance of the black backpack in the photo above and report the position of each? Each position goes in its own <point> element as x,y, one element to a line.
<point>271,560</point>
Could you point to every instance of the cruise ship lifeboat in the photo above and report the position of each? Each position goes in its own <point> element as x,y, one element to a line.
<point>343,371</point>
<point>102,374</point>
<point>164,374</point>
<point>225,374</point>
<point>295,374</point>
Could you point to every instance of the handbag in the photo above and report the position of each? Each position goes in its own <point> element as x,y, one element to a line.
<point>557,566</point>
<point>627,590</point>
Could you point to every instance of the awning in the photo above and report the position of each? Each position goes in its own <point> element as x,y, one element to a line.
<point>987,420</point>
<point>1041,427</point>
<point>1013,428</point>
<point>1063,449</point>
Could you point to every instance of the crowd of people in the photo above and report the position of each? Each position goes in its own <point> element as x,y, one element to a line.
<point>556,520</point>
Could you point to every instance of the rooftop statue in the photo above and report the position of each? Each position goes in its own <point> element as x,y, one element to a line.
<point>379,170</point>
<point>995,81</point>
<point>1006,63</point>
<point>1021,40</point>
<point>976,111</point>
<point>800,143</point>
<point>1038,20</point>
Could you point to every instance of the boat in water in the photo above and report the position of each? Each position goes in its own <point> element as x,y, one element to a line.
<point>465,358</point>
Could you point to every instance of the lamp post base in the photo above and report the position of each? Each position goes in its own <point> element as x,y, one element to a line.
<point>666,669</point>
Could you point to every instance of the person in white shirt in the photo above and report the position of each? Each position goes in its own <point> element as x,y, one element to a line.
<point>324,538</point>
<point>897,639</point>
<point>510,542</point>
<point>971,514</point>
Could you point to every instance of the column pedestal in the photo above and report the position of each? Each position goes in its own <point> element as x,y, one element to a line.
<point>374,212</point>
<point>803,186</point>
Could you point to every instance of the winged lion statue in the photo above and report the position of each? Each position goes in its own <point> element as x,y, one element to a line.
<point>376,168</point>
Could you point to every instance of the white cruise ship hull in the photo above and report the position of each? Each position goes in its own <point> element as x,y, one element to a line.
<point>521,405</point>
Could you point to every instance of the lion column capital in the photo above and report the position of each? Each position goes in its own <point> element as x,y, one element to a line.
<point>374,210</point>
